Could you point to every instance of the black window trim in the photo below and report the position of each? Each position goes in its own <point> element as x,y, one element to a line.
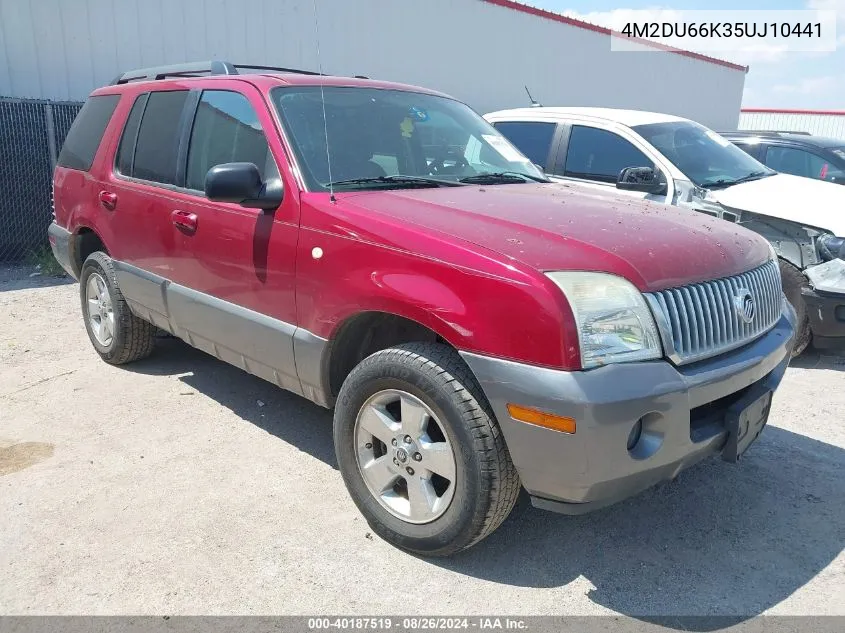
<point>559,160</point>
<point>115,169</point>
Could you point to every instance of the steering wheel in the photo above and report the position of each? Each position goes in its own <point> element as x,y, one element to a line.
<point>438,166</point>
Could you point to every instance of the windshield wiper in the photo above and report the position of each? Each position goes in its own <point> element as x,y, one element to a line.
<point>414,181</point>
<point>493,178</point>
<point>726,182</point>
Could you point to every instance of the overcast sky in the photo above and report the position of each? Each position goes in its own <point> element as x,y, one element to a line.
<point>777,79</point>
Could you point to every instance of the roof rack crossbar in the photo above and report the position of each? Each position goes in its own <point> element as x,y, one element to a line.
<point>213,67</point>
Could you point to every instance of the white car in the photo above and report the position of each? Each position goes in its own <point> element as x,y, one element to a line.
<point>678,162</point>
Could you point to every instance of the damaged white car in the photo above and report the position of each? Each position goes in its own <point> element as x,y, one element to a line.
<point>678,162</point>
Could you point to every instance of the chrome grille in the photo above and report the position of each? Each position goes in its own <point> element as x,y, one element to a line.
<point>703,320</point>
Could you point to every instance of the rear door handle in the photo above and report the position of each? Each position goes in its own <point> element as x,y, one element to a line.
<point>184,221</point>
<point>108,200</point>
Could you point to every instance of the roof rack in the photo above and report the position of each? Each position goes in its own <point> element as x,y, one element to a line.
<point>768,132</point>
<point>198,69</point>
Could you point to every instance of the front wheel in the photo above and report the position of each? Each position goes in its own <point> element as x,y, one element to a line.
<point>420,451</point>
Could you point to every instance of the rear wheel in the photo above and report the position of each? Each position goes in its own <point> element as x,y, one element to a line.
<point>118,335</point>
<point>793,281</point>
<point>420,451</point>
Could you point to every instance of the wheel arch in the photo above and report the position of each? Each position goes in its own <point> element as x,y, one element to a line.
<point>366,333</point>
<point>83,242</point>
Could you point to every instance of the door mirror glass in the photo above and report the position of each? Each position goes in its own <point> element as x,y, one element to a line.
<point>642,179</point>
<point>240,183</point>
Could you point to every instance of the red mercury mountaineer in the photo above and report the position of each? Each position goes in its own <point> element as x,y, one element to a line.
<point>380,249</point>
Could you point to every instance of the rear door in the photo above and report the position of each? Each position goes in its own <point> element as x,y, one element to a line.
<point>144,183</point>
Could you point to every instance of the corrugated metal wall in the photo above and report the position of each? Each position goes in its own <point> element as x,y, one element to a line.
<point>832,125</point>
<point>479,52</point>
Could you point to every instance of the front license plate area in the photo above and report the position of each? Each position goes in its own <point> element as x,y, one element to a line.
<point>745,421</point>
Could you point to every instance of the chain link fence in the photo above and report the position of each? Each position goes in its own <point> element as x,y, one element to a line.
<point>31,135</point>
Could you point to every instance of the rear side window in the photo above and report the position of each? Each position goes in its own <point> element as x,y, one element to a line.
<point>789,160</point>
<point>126,150</point>
<point>226,130</point>
<point>87,131</point>
<point>600,155</point>
<point>156,150</point>
<point>752,150</point>
<point>532,138</point>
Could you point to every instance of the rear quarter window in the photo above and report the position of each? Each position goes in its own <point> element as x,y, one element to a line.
<point>86,132</point>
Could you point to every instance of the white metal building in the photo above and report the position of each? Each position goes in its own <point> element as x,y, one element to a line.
<point>829,123</point>
<point>481,51</point>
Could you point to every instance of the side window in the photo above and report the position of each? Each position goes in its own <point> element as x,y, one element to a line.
<point>797,162</point>
<point>532,138</point>
<point>126,149</point>
<point>600,155</point>
<point>86,132</point>
<point>752,149</point>
<point>226,130</point>
<point>156,151</point>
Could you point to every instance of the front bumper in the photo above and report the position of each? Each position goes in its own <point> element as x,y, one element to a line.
<point>60,243</point>
<point>826,312</point>
<point>682,408</point>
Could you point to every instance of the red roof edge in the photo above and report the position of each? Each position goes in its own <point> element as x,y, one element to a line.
<point>557,17</point>
<point>777,111</point>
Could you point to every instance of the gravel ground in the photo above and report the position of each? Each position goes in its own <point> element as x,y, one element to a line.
<point>181,485</point>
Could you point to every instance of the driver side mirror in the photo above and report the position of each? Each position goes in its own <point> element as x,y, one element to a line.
<point>241,184</point>
<point>642,179</point>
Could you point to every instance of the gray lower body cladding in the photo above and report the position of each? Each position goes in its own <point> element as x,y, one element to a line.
<point>60,244</point>
<point>678,407</point>
<point>259,344</point>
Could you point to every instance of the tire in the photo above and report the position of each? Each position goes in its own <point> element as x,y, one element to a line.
<point>485,485</point>
<point>793,281</point>
<point>132,338</point>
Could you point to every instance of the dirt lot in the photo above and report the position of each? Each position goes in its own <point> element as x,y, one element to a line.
<point>181,485</point>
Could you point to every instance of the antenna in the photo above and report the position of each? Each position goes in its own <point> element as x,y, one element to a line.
<point>534,104</point>
<point>323,102</point>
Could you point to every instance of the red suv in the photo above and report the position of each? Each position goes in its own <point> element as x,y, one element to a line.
<point>380,249</point>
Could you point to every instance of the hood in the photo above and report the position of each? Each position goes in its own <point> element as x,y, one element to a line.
<point>562,227</point>
<point>803,200</point>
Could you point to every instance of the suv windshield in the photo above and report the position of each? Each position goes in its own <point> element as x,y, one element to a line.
<point>703,156</point>
<point>383,139</point>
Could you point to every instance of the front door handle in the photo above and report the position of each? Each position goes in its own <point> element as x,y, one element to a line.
<point>108,200</point>
<point>184,221</point>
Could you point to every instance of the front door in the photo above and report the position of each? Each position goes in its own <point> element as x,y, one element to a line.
<point>238,268</point>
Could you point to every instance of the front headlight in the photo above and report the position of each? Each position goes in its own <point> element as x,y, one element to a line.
<point>615,325</point>
<point>831,247</point>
